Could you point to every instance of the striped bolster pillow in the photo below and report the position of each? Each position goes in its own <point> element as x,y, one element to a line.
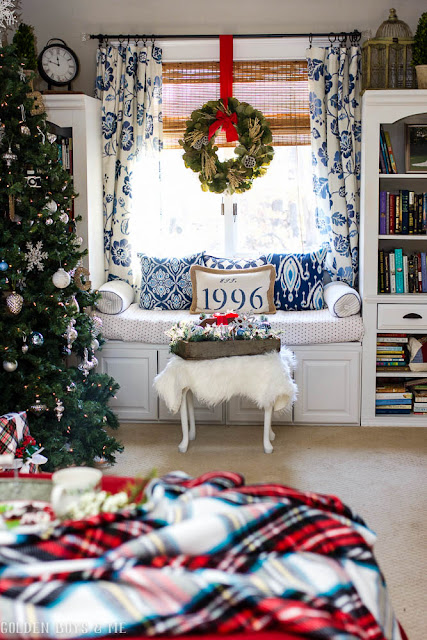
<point>116,296</point>
<point>341,299</point>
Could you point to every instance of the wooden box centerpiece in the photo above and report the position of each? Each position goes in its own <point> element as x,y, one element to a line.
<point>223,336</point>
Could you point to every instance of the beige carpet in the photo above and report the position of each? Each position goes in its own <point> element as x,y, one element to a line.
<point>379,472</point>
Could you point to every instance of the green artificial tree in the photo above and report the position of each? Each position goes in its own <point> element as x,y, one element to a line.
<point>42,317</point>
<point>419,49</point>
<point>25,47</point>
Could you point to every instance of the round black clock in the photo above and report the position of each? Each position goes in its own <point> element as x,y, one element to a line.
<point>57,63</point>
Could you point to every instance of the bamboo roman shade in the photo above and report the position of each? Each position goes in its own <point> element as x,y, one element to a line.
<point>278,88</point>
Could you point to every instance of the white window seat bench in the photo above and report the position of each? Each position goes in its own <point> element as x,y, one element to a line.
<point>327,350</point>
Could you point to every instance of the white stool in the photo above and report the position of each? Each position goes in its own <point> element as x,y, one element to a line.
<point>188,423</point>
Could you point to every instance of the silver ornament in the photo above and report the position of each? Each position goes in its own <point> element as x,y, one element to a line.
<point>97,325</point>
<point>64,218</point>
<point>9,157</point>
<point>48,222</point>
<point>25,130</point>
<point>197,145</point>
<point>51,137</point>
<point>78,241</point>
<point>38,407</point>
<point>14,302</point>
<point>61,278</point>
<point>249,162</point>
<point>10,366</point>
<point>94,345</point>
<point>205,140</point>
<point>51,206</point>
<point>24,348</point>
<point>71,387</point>
<point>36,339</point>
<point>59,409</point>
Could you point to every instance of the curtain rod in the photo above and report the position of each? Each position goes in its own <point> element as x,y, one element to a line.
<point>341,36</point>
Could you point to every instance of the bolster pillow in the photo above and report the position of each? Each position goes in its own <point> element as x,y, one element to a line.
<point>116,296</point>
<point>341,299</point>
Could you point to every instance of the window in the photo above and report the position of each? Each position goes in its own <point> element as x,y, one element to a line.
<point>277,214</point>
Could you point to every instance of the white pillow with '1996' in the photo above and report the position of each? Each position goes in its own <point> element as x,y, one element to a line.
<point>239,290</point>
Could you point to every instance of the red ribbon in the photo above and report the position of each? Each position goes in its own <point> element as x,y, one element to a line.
<point>227,122</point>
<point>223,120</point>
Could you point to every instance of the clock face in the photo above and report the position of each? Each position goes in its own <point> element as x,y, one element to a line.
<point>58,65</point>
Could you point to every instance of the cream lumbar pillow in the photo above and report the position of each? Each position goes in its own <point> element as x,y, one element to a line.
<point>239,290</point>
<point>342,300</point>
<point>116,296</point>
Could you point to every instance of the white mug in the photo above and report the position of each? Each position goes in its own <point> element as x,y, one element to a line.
<point>70,484</point>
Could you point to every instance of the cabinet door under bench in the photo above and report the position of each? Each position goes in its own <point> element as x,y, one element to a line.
<point>134,367</point>
<point>328,380</point>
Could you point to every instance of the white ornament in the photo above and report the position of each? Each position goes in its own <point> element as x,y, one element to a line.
<point>14,302</point>
<point>59,409</point>
<point>78,241</point>
<point>51,137</point>
<point>7,13</point>
<point>35,256</point>
<point>48,221</point>
<point>51,206</point>
<point>10,366</point>
<point>25,130</point>
<point>94,345</point>
<point>61,278</point>
<point>64,218</point>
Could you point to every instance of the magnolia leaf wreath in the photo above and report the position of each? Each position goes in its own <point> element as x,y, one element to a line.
<point>241,122</point>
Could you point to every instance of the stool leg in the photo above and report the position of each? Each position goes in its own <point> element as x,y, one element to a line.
<point>267,429</point>
<point>183,445</point>
<point>190,406</point>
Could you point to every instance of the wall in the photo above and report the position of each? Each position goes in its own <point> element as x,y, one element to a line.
<point>69,19</point>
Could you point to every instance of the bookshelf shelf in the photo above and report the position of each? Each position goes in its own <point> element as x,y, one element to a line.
<point>397,176</point>
<point>390,315</point>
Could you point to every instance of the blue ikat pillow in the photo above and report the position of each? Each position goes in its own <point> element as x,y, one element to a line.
<point>299,280</point>
<point>166,282</point>
<point>233,263</point>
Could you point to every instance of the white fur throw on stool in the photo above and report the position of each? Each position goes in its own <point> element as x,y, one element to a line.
<point>265,379</point>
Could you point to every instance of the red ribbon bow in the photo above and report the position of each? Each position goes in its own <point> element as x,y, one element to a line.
<point>227,122</point>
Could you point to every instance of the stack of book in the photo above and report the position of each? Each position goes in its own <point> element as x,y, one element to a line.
<point>401,273</point>
<point>419,388</point>
<point>391,353</point>
<point>403,212</point>
<point>387,159</point>
<point>392,397</point>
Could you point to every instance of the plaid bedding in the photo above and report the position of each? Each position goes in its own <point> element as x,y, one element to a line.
<point>206,554</point>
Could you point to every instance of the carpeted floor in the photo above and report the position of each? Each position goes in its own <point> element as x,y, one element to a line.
<point>379,472</point>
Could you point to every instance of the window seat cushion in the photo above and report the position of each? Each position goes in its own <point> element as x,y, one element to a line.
<point>302,327</point>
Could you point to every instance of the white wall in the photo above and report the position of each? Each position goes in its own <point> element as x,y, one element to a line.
<point>69,19</point>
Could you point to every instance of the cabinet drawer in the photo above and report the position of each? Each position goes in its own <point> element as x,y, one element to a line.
<point>398,316</point>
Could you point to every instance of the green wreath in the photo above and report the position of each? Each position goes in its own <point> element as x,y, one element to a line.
<point>253,152</point>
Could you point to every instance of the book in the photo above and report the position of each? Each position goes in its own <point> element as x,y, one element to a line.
<point>400,283</point>
<point>391,387</point>
<point>391,337</point>
<point>418,382</point>
<point>411,212</point>
<point>390,152</point>
<point>383,146</point>
<point>423,258</point>
<point>381,272</point>
<point>404,201</point>
<point>405,275</point>
<point>383,213</point>
<point>391,396</point>
<point>398,217</point>
<point>393,402</point>
<point>383,411</point>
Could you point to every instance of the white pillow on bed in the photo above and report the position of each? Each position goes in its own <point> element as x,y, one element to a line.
<point>116,296</point>
<point>341,299</point>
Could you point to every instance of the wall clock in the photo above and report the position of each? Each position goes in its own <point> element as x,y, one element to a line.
<point>58,65</point>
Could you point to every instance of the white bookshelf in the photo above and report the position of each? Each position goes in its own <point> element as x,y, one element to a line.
<point>81,113</point>
<point>393,109</point>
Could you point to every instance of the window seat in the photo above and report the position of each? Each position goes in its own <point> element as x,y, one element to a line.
<point>298,327</point>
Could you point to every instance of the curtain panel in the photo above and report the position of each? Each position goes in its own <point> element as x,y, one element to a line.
<point>129,85</point>
<point>334,75</point>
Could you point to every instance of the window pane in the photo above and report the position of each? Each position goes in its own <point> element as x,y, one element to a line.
<point>277,214</point>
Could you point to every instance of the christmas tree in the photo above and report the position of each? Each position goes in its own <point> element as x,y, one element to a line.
<point>42,293</point>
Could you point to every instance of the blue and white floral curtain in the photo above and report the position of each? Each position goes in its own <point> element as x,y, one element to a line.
<point>334,94</point>
<point>129,84</point>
